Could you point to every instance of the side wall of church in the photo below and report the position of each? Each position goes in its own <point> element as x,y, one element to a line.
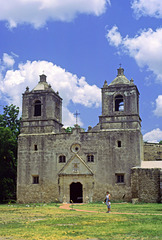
<point>152,152</point>
<point>146,184</point>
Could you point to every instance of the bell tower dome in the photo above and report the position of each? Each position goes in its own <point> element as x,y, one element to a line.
<point>41,109</point>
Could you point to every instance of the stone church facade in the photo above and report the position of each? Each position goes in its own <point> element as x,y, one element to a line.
<point>54,165</point>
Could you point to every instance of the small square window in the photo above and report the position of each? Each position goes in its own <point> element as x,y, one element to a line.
<point>35,179</point>
<point>62,159</point>
<point>120,178</point>
<point>90,158</point>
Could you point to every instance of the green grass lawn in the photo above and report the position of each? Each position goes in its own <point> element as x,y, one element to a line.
<point>148,208</point>
<point>48,221</point>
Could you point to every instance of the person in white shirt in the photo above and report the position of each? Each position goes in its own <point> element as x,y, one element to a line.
<point>107,201</point>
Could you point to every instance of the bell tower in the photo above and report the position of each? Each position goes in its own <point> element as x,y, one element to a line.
<point>41,109</point>
<point>120,104</point>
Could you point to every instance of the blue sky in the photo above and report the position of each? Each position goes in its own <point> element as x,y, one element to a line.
<point>79,44</point>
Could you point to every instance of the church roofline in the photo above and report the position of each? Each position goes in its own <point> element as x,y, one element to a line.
<point>42,86</point>
<point>119,80</point>
<point>42,78</point>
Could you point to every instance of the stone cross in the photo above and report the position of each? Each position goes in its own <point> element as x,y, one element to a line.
<point>76,115</point>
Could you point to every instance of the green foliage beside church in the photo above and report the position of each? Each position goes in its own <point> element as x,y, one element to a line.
<point>9,131</point>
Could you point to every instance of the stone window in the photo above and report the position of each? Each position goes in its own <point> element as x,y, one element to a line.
<point>75,148</point>
<point>119,103</point>
<point>35,147</point>
<point>36,179</point>
<point>120,178</point>
<point>37,108</point>
<point>57,111</point>
<point>119,143</point>
<point>62,159</point>
<point>90,158</point>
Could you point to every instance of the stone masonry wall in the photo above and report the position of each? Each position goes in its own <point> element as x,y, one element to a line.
<point>109,160</point>
<point>146,184</point>
<point>152,152</point>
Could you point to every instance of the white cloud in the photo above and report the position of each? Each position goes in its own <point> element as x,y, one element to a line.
<point>154,136</point>
<point>14,54</point>
<point>69,118</point>
<point>145,48</point>
<point>37,12</point>
<point>158,110</point>
<point>151,8</point>
<point>114,36</point>
<point>86,94</point>
<point>70,87</point>
<point>8,60</point>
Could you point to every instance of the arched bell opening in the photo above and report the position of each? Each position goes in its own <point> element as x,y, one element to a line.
<point>119,103</point>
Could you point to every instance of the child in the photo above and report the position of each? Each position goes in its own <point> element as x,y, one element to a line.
<point>107,201</point>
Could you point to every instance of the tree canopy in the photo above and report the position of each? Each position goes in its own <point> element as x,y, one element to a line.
<point>70,129</point>
<point>9,118</point>
<point>9,130</point>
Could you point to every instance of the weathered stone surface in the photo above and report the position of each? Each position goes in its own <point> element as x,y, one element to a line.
<point>56,166</point>
<point>152,152</point>
<point>146,184</point>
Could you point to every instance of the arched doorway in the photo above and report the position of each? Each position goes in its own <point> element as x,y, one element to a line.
<point>76,192</point>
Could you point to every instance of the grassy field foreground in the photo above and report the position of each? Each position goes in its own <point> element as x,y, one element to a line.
<point>48,221</point>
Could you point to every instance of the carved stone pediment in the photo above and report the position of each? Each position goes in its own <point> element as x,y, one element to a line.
<point>75,166</point>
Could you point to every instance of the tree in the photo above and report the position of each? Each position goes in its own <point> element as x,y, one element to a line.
<point>9,118</point>
<point>160,142</point>
<point>69,129</point>
<point>9,130</point>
